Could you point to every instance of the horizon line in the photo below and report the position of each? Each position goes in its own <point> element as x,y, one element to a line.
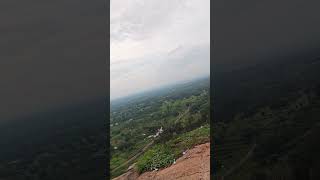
<point>159,87</point>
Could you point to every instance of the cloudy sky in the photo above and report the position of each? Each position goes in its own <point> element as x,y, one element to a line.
<point>155,43</point>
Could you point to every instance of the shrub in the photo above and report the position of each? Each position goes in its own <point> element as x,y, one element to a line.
<point>163,155</point>
<point>157,157</point>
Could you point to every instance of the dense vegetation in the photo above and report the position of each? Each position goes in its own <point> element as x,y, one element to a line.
<point>162,155</point>
<point>271,130</point>
<point>177,110</point>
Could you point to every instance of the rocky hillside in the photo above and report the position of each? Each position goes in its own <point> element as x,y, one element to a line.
<point>194,164</point>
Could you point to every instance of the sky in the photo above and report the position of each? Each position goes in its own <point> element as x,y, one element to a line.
<point>155,43</point>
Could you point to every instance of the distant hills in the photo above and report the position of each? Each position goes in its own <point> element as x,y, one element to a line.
<point>157,91</point>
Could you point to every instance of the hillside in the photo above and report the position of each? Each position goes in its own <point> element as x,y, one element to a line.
<point>159,126</point>
<point>269,130</point>
<point>194,164</point>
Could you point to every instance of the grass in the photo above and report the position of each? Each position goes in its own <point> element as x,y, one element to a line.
<point>157,157</point>
<point>163,155</point>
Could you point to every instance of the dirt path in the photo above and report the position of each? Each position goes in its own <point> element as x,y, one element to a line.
<point>194,165</point>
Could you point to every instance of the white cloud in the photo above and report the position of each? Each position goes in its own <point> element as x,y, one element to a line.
<point>152,39</point>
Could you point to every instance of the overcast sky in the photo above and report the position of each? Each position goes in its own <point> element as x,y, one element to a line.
<point>154,43</point>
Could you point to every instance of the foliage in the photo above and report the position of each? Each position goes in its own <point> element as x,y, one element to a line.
<point>157,157</point>
<point>163,155</point>
<point>285,139</point>
<point>177,110</point>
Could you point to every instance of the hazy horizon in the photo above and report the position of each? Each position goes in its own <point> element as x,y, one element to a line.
<point>160,87</point>
<point>157,43</point>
